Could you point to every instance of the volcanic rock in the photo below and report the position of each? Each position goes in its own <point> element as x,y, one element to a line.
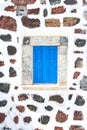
<point>76,74</point>
<point>76,127</point>
<point>16,119</point>
<point>20,108</point>
<point>32,107</point>
<point>79,101</point>
<point>49,108</point>
<point>38,98</point>
<point>52,22</point>
<point>33,11</point>
<point>4,87</point>
<point>70,21</point>
<point>22,97</point>
<point>6,38</point>
<point>44,119</point>
<point>54,2</point>
<point>80,42</point>
<point>10,8</point>
<point>1,63</point>
<point>70,96</point>
<point>7,22</point>
<point>45,12</point>
<point>12,72</point>
<point>11,50</point>
<point>30,23</point>
<point>1,74</point>
<point>27,119</point>
<point>61,117</point>
<point>23,2</point>
<point>56,98</point>
<point>58,128</point>
<point>79,63</point>
<point>2,117</point>
<point>70,2</point>
<point>83,83</point>
<point>78,115</point>
<point>58,10</point>
<point>3,103</point>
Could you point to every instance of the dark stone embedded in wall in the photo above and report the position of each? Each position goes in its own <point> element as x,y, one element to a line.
<point>22,97</point>
<point>12,72</point>
<point>7,22</point>
<point>77,52</point>
<point>76,75</point>
<point>52,22</point>
<point>26,40</point>
<point>76,127</point>
<point>2,117</point>
<point>6,128</point>
<point>23,2</point>
<point>70,96</point>
<point>20,108</point>
<point>43,2</point>
<point>6,38</point>
<point>78,115</point>
<point>74,11</point>
<point>56,98</point>
<point>61,116</point>
<point>11,50</point>
<point>30,23</point>
<point>16,119</point>
<point>38,98</point>
<point>1,74</point>
<point>70,2</point>
<point>45,12</point>
<point>33,11</point>
<point>12,61</point>
<point>80,101</point>
<point>10,8</point>
<point>70,21</point>
<point>49,108</point>
<point>32,108</point>
<point>58,10</point>
<point>27,119</point>
<point>80,42</point>
<point>4,87</point>
<point>58,128</point>
<point>3,103</point>
<point>37,129</point>
<point>80,31</point>
<point>54,2</point>
<point>2,63</point>
<point>79,63</point>
<point>83,83</point>
<point>44,119</point>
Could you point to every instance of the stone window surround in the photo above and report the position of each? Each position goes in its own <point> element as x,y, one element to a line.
<point>28,83</point>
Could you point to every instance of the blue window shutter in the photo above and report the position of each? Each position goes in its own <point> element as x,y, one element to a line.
<point>45,64</point>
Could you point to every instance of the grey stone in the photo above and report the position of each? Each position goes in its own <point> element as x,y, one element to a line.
<point>26,40</point>
<point>45,12</point>
<point>70,96</point>
<point>63,41</point>
<point>12,72</point>
<point>79,63</point>
<point>79,101</point>
<point>83,83</point>
<point>6,38</point>
<point>11,50</point>
<point>70,2</point>
<point>38,98</point>
<point>44,119</point>
<point>32,107</point>
<point>43,1</point>
<point>80,42</point>
<point>4,87</point>
<point>54,2</point>
<point>1,74</point>
<point>3,103</point>
<point>49,108</point>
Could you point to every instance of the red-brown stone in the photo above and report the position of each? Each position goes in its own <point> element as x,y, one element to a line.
<point>58,10</point>
<point>10,8</point>
<point>27,119</point>
<point>1,63</point>
<point>61,116</point>
<point>76,74</point>
<point>7,22</point>
<point>33,11</point>
<point>13,61</point>
<point>2,117</point>
<point>78,115</point>
<point>20,108</point>
<point>58,128</point>
<point>23,2</point>
<point>16,119</point>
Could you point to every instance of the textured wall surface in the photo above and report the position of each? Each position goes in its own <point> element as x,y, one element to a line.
<point>22,109</point>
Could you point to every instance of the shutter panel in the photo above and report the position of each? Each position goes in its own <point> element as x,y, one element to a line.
<point>45,64</point>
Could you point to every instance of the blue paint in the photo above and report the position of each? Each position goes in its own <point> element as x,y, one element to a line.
<point>45,64</point>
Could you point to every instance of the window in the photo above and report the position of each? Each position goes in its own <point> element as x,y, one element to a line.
<point>45,64</point>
